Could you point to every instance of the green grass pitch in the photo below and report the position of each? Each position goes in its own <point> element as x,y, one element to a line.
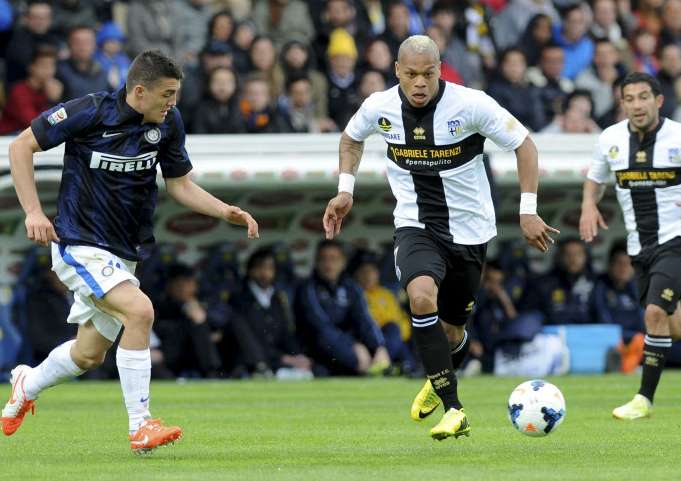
<point>346,429</point>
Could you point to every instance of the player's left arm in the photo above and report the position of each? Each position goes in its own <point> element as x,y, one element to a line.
<point>188,193</point>
<point>536,231</point>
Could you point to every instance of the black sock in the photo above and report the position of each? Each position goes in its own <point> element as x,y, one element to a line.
<point>655,350</point>
<point>459,351</point>
<point>431,342</point>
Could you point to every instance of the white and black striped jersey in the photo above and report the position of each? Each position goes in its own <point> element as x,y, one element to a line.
<point>434,157</point>
<point>648,180</point>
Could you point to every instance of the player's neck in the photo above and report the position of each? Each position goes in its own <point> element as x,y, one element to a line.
<point>641,133</point>
<point>130,100</point>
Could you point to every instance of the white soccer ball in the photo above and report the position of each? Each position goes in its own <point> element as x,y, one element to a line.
<point>536,408</point>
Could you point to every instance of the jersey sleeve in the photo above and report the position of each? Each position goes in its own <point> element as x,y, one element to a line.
<point>174,158</point>
<point>63,121</point>
<point>599,170</point>
<point>363,123</point>
<point>497,124</point>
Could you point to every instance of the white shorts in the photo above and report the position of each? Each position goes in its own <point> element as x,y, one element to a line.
<point>91,272</point>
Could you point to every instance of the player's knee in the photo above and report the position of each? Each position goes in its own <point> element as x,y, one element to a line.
<point>423,302</point>
<point>141,315</point>
<point>655,318</point>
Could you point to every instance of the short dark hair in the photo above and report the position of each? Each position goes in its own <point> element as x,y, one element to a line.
<point>258,257</point>
<point>151,66</point>
<point>640,77</point>
<point>567,100</point>
<point>44,51</point>
<point>618,247</point>
<point>297,77</point>
<point>329,244</point>
<point>76,28</point>
<point>179,271</point>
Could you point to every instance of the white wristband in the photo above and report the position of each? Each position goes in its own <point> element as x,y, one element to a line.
<point>528,203</point>
<point>346,183</point>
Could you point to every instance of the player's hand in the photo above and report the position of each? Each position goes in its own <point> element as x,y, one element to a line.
<point>39,229</point>
<point>536,231</point>
<point>589,222</point>
<point>336,210</point>
<point>237,216</point>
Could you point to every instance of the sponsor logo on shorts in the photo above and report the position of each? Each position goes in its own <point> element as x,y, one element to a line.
<point>667,294</point>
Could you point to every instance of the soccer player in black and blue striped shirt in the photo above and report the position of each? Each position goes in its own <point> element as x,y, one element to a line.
<point>114,143</point>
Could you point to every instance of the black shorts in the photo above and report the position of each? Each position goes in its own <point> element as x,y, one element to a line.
<point>658,273</point>
<point>455,268</point>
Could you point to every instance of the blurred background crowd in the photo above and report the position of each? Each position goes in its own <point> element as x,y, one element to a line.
<point>271,66</point>
<point>220,319</point>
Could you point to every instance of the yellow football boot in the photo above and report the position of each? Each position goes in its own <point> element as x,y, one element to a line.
<point>425,402</point>
<point>453,423</point>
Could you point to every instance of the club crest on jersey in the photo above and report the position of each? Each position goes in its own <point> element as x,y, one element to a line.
<point>675,156</point>
<point>419,133</point>
<point>613,152</point>
<point>153,135</point>
<point>384,124</point>
<point>57,116</point>
<point>454,127</point>
<point>641,157</point>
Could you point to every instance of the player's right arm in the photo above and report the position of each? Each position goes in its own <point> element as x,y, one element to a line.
<point>594,187</point>
<point>360,126</point>
<point>350,155</point>
<point>39,229</point>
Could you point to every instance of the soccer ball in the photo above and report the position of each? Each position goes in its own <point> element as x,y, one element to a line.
<point>536,408</point>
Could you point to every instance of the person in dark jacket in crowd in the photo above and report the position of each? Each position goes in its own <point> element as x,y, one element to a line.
<point>183,326</point>
<point>267,314</point>
<point>218,111</point>
<point>257,112</point>
<point>333,318</point>
<point>81,74</point>
<point>46,320</point>
<point>563,295</point>
<point>36,30</point>
<point>615,296</point>
<point>513,92</point>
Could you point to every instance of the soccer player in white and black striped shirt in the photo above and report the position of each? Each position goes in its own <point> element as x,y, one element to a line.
<point>644,153</point>
<point>444,215</point>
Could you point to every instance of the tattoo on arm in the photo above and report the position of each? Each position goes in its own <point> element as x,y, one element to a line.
<point>350,154</point>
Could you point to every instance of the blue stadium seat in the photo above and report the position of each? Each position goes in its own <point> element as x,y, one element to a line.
<point>588,344</point>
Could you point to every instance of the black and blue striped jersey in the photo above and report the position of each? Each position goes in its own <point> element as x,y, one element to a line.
<point>108,188</point>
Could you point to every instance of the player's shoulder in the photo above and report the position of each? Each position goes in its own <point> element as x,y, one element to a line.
<point>464,94</point>
<point>671,126</point>
<point>380,100</point>
<point>615,133</point>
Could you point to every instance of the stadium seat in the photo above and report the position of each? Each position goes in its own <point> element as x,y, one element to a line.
<point>588,344</point>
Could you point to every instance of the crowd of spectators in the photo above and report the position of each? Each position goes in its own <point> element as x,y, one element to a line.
<point>348,317</point>
<point>268,66</point>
